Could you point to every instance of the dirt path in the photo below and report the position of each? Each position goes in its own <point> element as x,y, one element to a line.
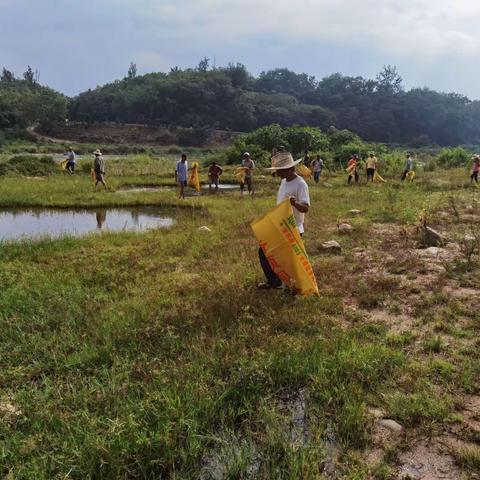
<point>37,136</point>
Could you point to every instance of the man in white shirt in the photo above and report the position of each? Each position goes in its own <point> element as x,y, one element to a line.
<point>181,172</point>
<point>295,188</point>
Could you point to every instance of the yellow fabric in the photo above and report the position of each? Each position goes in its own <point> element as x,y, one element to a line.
<point>304,171</point>
<point>240,174</point>
<point>63,164</point>
<point>280,239</point>
<point>194,180</point>
<point>411,175</point>
<point>377,178</point>
<point>92,174</point>
<point>351,168</point>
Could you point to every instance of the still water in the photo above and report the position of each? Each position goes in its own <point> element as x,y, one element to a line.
<point>34,223</point>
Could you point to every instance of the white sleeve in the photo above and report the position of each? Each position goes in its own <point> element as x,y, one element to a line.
<point>302,193</point>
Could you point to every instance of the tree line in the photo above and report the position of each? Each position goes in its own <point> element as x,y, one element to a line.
<point>231,98</point>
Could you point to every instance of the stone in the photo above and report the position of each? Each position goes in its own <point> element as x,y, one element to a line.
<point>204,228</point>
<point>354,211</point>
<point>331,246</point>
<point>391,425</point>
<point>433,251</point>
<point>431,238</point>
<point>327,185</point>
<point>345,228</point>
<point>469,209</point>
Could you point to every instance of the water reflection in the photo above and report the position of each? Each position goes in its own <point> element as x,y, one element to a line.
<point>35,223</point>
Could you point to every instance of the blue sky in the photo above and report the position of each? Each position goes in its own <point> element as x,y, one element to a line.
<point>79,44</point>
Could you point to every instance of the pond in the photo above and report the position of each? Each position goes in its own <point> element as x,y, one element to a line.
<point>158,188</point>
<point>34,223</point>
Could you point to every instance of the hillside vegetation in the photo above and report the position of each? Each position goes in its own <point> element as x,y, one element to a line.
<point>230,97</point>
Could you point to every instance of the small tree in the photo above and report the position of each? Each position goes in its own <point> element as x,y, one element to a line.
<point>7,76</point>
<point>29,76</point>
<point>203,64</point>
<point>132,71</point>
<point>389,80</point>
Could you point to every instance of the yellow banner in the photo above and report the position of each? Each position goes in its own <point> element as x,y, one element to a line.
<point>283,246</point>
<point>194,180</point>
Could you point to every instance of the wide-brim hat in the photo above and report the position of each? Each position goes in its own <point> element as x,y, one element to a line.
<point>97,152</point>
<point>283,160</point>
<point>246,154</point>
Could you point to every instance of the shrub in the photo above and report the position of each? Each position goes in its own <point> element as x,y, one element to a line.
<point>453,157</point>
<point>29,165</point>
<point>300,139</point>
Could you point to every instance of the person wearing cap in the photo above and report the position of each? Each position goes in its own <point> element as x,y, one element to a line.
<point>317,167</point>
<point>71,160</point>
<point>294,188</point>
<point>408,167</point>
<point>475,168</point>
<point>181,172</point>
<point>214,172</point>
<point>352,168</point>
<point>248,164</point>
<point>371,165</point>
<point>99,168</point>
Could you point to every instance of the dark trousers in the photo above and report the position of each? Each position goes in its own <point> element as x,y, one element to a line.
<point>370,174</point>
<point>474,176</point>
<point>316,176</point>
<point>404,175</point>
<point>70,166</point>
<point>248,183</point>
<point>350,178</point>
<point>270,275</point>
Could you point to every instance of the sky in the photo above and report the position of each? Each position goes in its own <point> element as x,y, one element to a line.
<point>79,44</point>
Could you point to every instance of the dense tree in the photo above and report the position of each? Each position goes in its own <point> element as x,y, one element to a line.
<point>21,105</point>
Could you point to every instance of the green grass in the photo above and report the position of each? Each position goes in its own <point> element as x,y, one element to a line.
<point>151,355</point>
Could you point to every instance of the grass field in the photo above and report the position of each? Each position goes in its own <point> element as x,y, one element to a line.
<point>153,355</point>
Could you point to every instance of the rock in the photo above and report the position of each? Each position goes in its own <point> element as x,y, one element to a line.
<point>433,251</point>
<point>204,228</point>
<point>391,425</point>
<point>345,228</point>
<point>327,185</point>
<point>354,212</point>
<point>431,238</point>
<point>469,209</point>
<point>331,246</point>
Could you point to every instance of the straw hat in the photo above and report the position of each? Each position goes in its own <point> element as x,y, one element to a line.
<point>97,152</point>
<point>283,160</point>
<point>246,154</point>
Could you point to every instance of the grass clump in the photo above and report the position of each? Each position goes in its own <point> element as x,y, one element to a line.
<point>420,409</point>
<point>29,165</point>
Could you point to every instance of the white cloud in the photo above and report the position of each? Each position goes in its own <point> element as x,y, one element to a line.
<point>64,38</point>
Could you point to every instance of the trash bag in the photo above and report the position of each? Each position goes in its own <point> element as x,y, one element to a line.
<point>411,175</point>
<point>283,246</point>
<point>304,171</point>
<point>194,180</point>
<point>377,178</point>
<point>63,164</point>
<point>240,173</point>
